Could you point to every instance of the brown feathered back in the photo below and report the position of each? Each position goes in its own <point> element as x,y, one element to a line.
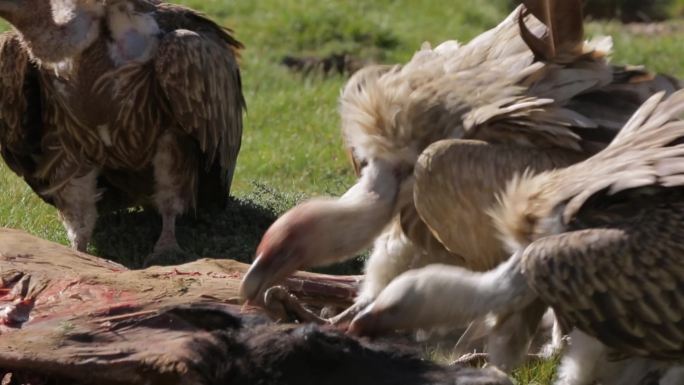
<point>646,153</point>
<point>602,239</point>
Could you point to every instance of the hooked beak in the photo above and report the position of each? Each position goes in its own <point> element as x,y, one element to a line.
<point>266,271</point>
<point>367,323</point>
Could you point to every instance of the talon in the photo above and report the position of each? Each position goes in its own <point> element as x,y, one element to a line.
<point>284,306</point>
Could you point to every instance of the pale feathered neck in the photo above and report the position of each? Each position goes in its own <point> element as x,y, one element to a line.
<point>59,29</point>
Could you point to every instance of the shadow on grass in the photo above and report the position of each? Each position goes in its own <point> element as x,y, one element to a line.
<point>128,236</point>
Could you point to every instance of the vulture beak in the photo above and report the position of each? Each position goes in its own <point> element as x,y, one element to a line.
<point>278,256</point>
<point>323,231</point>
<point>368,323</point>
<point>397,307</point>
<point>415,299</point>
<point>267,270</point>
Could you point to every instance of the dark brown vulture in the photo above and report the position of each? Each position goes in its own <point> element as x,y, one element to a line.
<point>123,101</point>
<point>435,140</point>
<point>600,242</point>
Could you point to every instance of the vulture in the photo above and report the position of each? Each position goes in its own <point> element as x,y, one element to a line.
<point>111,104</point>
<point>434,140</point>
<point>599,241</point>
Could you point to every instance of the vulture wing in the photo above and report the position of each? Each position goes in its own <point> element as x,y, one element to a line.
<point>647,155</point>
<point>619,273</point>
<point>456,180</point>
<point>21,126</point>
<point>565,94</point>
<point>623,285</point>
<point>198,73</point>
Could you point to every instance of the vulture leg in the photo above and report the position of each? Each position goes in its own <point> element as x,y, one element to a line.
<point>510,340</point>
<point>557,342</point>
<point>580,361</point>
<point>173,189</point>
<point>77,206</point>
<point>167,239</point>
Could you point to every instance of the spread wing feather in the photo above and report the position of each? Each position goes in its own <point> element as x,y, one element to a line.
<point>199,75</point>
<point>648,152</point>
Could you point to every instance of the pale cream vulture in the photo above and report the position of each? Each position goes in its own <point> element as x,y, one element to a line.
<point>600,242</point>
<point>124,102</point>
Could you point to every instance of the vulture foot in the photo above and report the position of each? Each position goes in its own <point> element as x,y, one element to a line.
<point>282,306</point>
<point>166,253</point>
<point>167,244</point>
<point>80,243</point>
<point>343,320</point>
<point>77,207</point>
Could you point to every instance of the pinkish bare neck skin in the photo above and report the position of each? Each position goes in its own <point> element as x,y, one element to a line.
<point>134,34</point>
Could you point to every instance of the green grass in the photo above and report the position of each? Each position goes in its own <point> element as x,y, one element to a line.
<point>292,146</point>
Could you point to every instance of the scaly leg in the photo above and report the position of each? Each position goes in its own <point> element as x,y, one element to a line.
<point>558,339</point>
<point>167,239</point>
<point>509,342</point>
<point>77,206</point>
<point>581,360</point>
<point>171,190</point>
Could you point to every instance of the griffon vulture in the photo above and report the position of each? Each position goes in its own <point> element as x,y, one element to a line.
<point>123,101</point>
<point>600,242</point>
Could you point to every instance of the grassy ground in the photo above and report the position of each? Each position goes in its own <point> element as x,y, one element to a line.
<point>291,146</point>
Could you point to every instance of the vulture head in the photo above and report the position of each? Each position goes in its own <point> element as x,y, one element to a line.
<point>55,30</point>
<point>439,295</point>
<point>304,237</point>
<point>400,307</point>
<point>324,231</point>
